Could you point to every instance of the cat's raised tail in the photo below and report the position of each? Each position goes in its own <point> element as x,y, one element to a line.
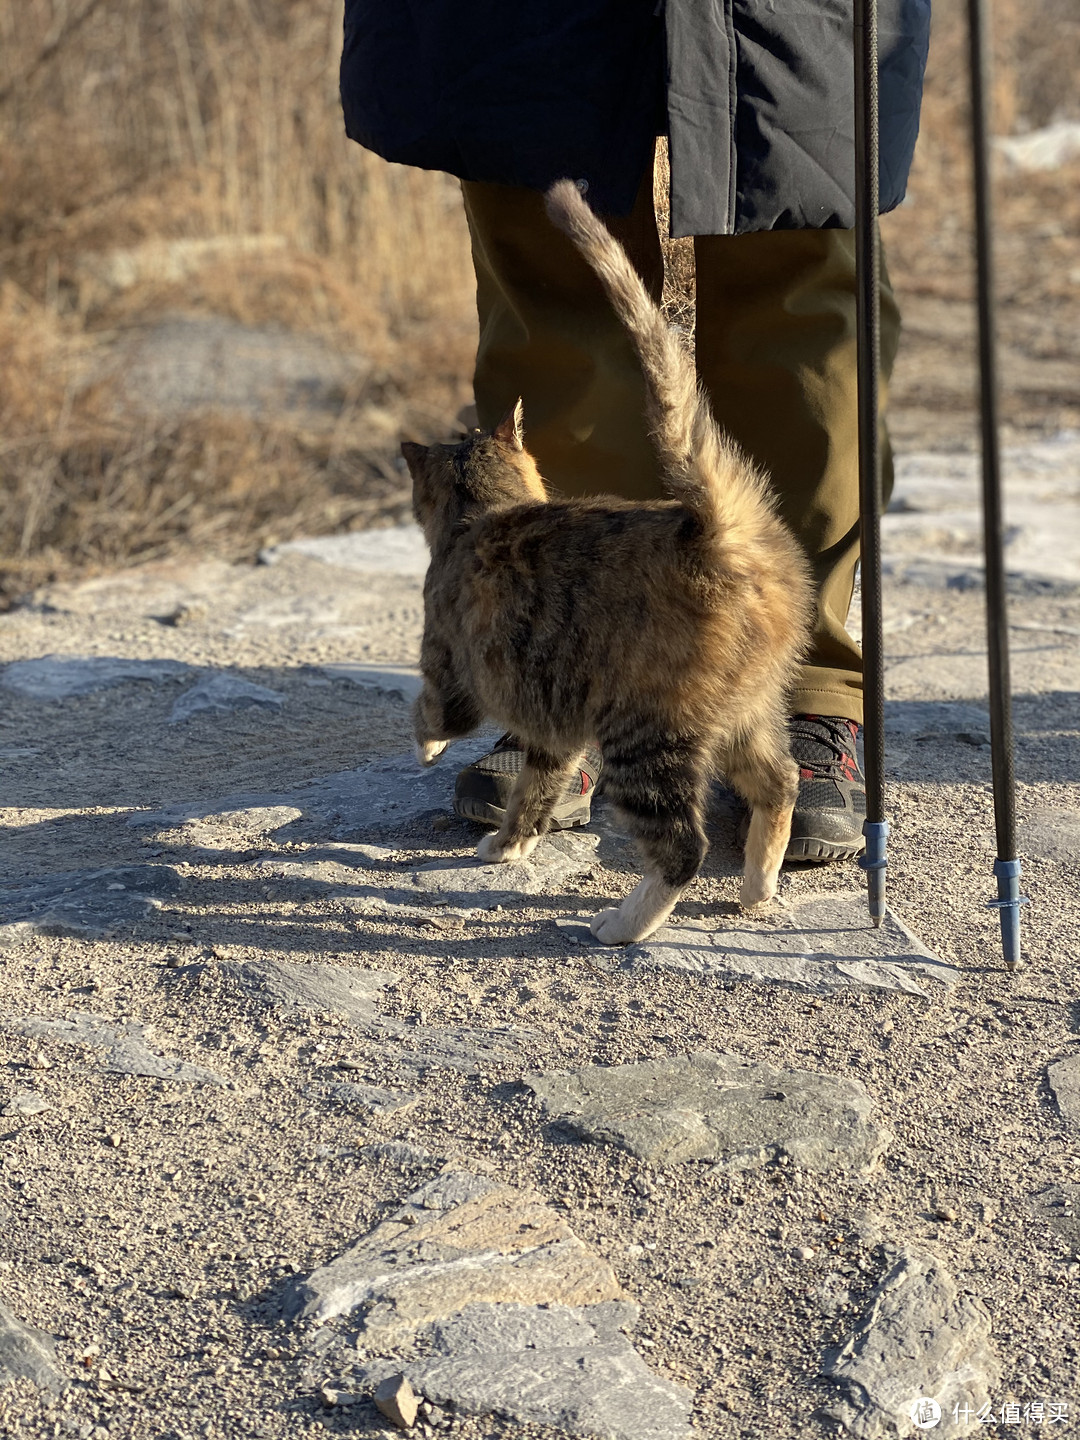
<point>700,466</point>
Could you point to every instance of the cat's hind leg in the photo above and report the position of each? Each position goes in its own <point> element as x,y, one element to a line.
<point>658,783</point>
<point>759,766</point>
<point>539,786</point>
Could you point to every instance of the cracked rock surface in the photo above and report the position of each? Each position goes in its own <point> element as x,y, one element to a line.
<point>27,1354</point>
<point>920,1337</point>
<point>717,1107</point>
<point>515,1314</point>
<point>460,1240</point>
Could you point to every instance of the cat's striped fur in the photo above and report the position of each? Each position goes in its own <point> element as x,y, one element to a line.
<point>668,631</point>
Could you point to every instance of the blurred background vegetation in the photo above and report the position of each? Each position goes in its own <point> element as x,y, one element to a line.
<point>168,160</point>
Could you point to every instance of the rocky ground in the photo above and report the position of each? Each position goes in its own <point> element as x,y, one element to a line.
<point>299,1099</point>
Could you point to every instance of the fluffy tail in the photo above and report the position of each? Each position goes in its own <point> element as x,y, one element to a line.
<point>700,467</point>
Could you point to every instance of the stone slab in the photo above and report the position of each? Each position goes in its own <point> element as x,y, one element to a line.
<point>392,791</point>
<point>459,1240</point>
<point>397,550</point>
<point>571,1368</point>
<point>330,865</point>
<point>919,1337</point>
<point>718,1107</point>
<point>126,1046</point>
<point>403,681</point>
<point>823,943</point>
<point>558,858</point>
<point>471,1050</point>
<point>1063,1077</point>
<point>353,993</point>
<point>220,693</point>
<point>387,792</point>
<point>229,830</point>
<point>309,989</point>
<point>1051,834</point>
<point>27,1354</point>
<point>59,677</point>
<point>86,902</point>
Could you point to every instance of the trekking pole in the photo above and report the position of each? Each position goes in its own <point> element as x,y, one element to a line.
<point>1006,866</point>
<point>868,326</point>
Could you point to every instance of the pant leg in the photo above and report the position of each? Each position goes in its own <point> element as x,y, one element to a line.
<point>548,334</point>
<point>776,344</point>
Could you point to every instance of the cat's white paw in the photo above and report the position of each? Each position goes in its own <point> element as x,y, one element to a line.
<point>611,928</point>
<point>756,889</point>
<point>644,910</point>
<point>494,852</point>
<point>428,751</point>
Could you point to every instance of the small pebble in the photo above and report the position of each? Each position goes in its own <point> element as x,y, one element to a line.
<point>945,1212</point>
<point>804,1252</point>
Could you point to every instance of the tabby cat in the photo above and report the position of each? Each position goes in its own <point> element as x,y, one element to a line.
<point>666,631</point>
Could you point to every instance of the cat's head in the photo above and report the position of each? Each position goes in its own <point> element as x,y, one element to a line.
<point>483,472</point>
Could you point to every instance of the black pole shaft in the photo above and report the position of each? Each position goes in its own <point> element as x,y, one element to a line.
<point>997,625</point>
<point>1001,733</point>
<point>868,327</point>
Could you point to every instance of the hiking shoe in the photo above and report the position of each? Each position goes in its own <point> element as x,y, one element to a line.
<point>483,788</point>
<point>831,805</point>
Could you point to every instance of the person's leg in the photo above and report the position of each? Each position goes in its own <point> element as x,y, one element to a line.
<point>548,334</point>
<point>776,352</point>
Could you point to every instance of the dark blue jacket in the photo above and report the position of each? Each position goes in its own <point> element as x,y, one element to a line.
<point>755,96</point>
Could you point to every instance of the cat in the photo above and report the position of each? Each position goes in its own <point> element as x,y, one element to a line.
<point>668,631</point>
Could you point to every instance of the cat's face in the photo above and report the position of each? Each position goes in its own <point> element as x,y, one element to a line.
<point>482,472</point>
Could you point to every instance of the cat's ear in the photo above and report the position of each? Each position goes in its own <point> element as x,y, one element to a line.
<point>511,428</point>
<point>413,454</point>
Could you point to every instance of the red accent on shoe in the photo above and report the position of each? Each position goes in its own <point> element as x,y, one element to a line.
<point>805,774</point>
<point>585,782</point>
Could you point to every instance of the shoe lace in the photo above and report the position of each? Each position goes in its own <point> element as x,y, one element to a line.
<point>824,744</point>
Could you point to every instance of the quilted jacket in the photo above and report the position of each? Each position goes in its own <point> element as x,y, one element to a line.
<point>754,95</point>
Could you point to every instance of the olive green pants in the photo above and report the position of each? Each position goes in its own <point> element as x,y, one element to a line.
<point>775,346</point>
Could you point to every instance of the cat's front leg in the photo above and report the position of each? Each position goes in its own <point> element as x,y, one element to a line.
<point>428,751</point>
<point>644,910</point>
<point>431,741</point>
<point>437,720</point>
<point>497,851</point>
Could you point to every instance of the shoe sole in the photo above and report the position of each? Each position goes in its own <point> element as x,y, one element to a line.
<point>822,852</point>
<point>484,814</point>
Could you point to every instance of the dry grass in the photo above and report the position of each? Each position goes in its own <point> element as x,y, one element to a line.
<point>128,125</point>
<point>131,124</point>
